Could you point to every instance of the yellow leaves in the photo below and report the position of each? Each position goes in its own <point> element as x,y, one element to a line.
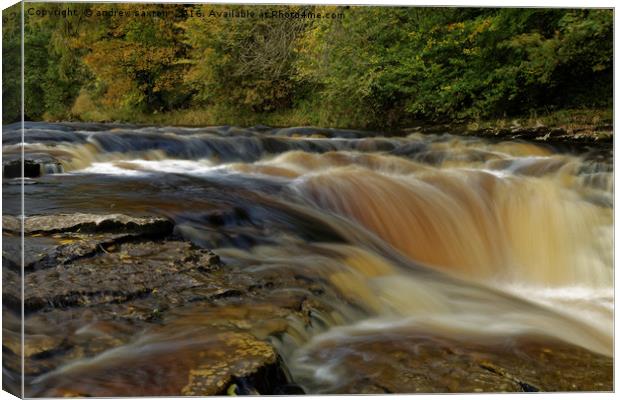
<point>456,25</point>
<point>473,51</point>
<point>430,43</point>
<point>479,27</point>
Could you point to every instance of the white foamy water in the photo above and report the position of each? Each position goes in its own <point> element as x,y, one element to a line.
<point>140,167</point>
<point>109,168</point>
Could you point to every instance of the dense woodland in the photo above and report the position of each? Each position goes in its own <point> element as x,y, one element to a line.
<point>374,67</point>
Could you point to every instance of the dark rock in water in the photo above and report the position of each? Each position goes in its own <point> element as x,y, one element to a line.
<point>35,165</point>
<point>13,169</point>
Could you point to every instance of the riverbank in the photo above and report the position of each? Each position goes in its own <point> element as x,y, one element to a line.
<point>563,126</point>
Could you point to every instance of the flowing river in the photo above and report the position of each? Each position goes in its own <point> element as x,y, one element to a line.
<point>484,242</point>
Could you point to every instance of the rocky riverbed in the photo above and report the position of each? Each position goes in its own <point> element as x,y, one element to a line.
<point>105,278</point>
<point>122,285</point>
<point>190,280</point>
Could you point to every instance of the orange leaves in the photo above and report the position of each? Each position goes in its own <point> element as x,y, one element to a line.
<point>135,57</point>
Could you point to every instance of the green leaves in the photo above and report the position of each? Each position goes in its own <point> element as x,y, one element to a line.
<point>376,67</point>
<point>244,63</point>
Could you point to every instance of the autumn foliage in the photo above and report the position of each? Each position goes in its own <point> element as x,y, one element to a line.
<point>371,67</point>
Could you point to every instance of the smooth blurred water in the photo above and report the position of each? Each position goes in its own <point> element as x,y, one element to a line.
<point>462,237</point>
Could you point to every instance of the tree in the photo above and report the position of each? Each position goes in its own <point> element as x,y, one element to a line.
<point>243,63</point>
<point>136,59</point>
<point>11,64</point>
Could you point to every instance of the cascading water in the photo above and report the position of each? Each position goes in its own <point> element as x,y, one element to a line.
<point>437,235</point>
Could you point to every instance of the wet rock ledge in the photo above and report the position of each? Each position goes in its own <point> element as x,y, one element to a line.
<point>113,286</point>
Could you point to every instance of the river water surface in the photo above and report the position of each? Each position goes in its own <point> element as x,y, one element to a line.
<point>465,238</point>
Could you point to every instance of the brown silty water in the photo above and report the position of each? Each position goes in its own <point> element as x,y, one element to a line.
<point>410,239</point>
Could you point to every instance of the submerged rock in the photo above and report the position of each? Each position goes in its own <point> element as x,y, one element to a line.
<point>429,363</point>
<point>198,364</point>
